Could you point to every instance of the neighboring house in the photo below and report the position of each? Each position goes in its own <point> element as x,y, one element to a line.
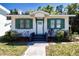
<point>39,22</point>
<point>4,23</point>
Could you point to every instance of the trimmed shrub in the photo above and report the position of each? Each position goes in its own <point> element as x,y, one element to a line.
<point>13,34</point>
<point>60,35</point>
<point>9,36</point>
<point>75,36</point>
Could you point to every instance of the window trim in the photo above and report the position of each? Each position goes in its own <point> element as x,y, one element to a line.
<point>55,20</point>
<point>31,23</point>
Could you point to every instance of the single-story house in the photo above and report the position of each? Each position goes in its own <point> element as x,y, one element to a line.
<point>4,23</point>
<point>38,22</point>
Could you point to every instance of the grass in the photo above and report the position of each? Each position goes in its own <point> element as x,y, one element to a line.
<point>63,49</point>
<point>12,50</point>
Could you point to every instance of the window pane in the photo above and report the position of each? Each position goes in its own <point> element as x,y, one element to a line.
<point>8,17</point>
<point>52,23</point>
<point>27,24</point>
<point>58,24</point>
<point>21,23</point>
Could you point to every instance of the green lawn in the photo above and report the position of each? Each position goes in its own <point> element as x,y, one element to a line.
<point>12,50</point>
<point>63,49</point>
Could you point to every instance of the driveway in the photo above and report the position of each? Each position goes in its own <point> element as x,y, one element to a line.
<point>36,49</point>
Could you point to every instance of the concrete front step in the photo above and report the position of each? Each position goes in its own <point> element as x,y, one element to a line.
<point>38,39</point>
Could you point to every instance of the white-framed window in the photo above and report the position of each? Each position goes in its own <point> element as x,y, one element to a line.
<point>56,23</point>
<point>24,23</point>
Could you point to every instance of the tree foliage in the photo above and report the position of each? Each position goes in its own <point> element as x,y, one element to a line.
<point>73,8</point>
<point>14,11</point>
<point>59,9</point>
<point>47,8</point>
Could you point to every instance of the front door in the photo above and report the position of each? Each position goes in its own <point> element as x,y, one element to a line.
<point>39,25</point>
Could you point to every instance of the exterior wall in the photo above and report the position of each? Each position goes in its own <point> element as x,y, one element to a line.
<point>3,20</point>
<point>34,23</point>
<point>3,28</point>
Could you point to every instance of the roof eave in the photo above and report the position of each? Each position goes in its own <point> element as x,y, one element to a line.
<point>63,15</point>
<point>4,9</point>
<point>39,12</point>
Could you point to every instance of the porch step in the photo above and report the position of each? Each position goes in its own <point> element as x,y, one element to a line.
<point>22,39</point>
<point>39,38</point>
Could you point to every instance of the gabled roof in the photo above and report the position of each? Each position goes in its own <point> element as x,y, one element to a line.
<point>64,15</point>
<point>4,9</point>
<point>43,14</point>
<point>39,12</point>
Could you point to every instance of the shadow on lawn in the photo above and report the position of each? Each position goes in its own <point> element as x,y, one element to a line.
<point>17,43</point>
<point>28,43</point>
<point>25,43</point>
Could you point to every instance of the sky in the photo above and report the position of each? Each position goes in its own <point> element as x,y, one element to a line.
<point>27,6</point>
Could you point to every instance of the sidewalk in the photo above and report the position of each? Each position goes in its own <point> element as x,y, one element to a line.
<point>38,49</point>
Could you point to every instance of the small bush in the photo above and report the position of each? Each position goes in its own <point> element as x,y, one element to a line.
<point>13,34</point>
<point>75,33</point>
<point>75,36</point>
<point>60,35</point>
<point>9,36</point>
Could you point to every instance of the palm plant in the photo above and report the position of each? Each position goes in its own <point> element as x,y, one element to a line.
<point>47,8</point>
<point>73,8</point>
<point>59,9</point>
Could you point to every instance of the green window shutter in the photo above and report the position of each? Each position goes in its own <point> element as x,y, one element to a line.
<point>62,23</point>
<point>31,23</point>
<point>48,23</point>
<point>17,24</point>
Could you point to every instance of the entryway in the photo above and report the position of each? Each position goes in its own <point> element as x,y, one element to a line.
<point>39,26</point>
<point>39,36</point>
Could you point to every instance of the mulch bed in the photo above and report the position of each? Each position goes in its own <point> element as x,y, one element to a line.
<point>22,39</point>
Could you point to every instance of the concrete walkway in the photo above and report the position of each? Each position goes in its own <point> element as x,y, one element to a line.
<point>37,49</point>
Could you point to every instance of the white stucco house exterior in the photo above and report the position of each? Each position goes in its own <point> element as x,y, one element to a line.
<point>39,22</point>
<point>4,23</point>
